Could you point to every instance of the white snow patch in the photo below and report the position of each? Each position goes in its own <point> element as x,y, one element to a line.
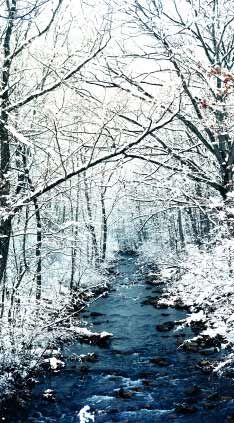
<point>85,415</point>
<point>55,363</point>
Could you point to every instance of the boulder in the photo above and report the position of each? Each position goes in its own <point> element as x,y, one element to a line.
<point>88,358</point>
<point>198,326</point>
<point>123,394</point>
<point>179,305</point>
<point>185,408</point>
<point>193,390</point>
<point>49,395</point>
<point>159,361</point>
<point>210,405</point>
<point>151,301</point>
<point>205,366</point>
<point>164,327</point>
<point>161,305</point>
<point>153,279</point>
<point>84,335</point>
<point>204,344</point>
<point>229,373</point>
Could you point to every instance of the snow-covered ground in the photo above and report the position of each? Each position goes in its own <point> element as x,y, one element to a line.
<point>202,279</point>
<point>206,284</point>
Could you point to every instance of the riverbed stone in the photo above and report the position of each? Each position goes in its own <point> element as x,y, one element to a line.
<point>205,366</point>
<point>145,375</point>
<point>49,395</point>
<point>147,383</point>
<point>198,326</point>
<point>88,358</point>
<point>229,373</point>
<point>193,390</point>
<point>164,327</point>
<point>152,279</point>
<point>214,397</point>
<point>151,301</point>
<point>210,405</point>
<point>184,408</point>
<point>123,393</point>
<point>179,305</point>
<point>96,314</point>
<point>204,344</point>
<point>161,305</point>
<point>159,361</point>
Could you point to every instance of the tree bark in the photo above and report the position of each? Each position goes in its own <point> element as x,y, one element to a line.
<point>5,218</point>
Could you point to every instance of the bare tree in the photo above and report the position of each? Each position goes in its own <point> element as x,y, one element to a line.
<point>184,48</point>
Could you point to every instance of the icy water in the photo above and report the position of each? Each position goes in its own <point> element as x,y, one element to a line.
<point>150,391</point>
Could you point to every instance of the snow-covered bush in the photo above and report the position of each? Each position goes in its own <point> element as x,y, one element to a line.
<point>207,284</point>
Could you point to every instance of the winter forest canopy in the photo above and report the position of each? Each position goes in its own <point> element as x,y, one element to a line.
<point>116,133</point>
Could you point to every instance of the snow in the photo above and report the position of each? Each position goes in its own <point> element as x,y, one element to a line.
<point>166,273</point>
<point>105,334</point>
<point>86,332</point>
<point>208,284</point>
<point>196,316</point>
<point>85,415</point>
<point>18,136</point>
<point>55,363</point>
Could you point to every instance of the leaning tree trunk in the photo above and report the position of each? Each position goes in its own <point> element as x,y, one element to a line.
<point>90,225</point>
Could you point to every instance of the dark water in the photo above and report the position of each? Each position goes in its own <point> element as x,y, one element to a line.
<point>126,364</point>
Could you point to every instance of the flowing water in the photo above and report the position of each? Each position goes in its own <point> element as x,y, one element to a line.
<point>148,393</point>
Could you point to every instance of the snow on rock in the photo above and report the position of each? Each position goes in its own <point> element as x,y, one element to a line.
<point>85,415</point>
<point>200,315</point>
<point>55,363</point>
<point>167,273</point>
<point>85,335</point>
<point>105,334</point>
<point>85,331</point>
<point>49,395</point>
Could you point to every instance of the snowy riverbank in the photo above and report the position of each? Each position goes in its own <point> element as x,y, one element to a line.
<point>31,350</point>
<point>201,280</point>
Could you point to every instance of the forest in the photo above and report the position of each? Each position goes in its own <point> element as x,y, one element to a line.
<point>116,211</point>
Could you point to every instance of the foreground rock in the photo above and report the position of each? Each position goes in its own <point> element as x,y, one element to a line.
<point>123,394</point>
<point>95,338</point>
<point>179,305</point>
<point>153,279</point>
<point>49,395</point>
<point>156,302</point>
<point>159,361</point>
<point>88,358</point>
<point>165,327</point>
<point>205,366</point>
<point>184,408</point>
<point>194,390</point>
<point>204,344</point>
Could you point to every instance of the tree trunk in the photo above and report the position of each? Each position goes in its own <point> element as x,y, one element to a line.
<point>181,230</point>
<point>5,219</point>
<point>38,251</point>
<point>104,227</point>
<point>90,225</point>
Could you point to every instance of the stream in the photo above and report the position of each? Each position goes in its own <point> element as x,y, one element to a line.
<point>123,385</point>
